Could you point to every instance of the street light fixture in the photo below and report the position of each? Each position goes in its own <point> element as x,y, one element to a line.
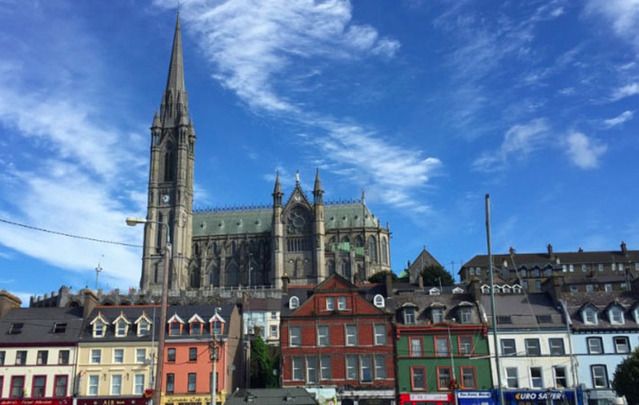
<point>168,256</point>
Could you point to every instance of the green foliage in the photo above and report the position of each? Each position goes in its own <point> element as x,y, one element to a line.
<point>626,378</point>
<point>380,277</point>
<point>433,274</point>
<point>264,365</point>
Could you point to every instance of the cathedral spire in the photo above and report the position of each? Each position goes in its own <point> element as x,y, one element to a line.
<point>175,81</point>
<point>277,191</point>
<point>317,188</point>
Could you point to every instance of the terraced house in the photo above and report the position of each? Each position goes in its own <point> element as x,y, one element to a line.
<point>37,352</point>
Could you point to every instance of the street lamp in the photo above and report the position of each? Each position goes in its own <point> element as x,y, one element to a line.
<point>168,255</point>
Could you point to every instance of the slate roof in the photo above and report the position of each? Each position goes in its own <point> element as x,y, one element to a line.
<point>601,301</point>
<point>271,396</point>
<point>259,220</point>
<point>204,311</point>
<point>524,311</point>
<point>38,326</point>
<point>423,301</point>
<point>263,305</point>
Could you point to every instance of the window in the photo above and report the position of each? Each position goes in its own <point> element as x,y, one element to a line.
<point>217,327</point>
<point>443,378</point>
<point>59,327</point>
<point>191,382</point>
<point>380,367</point>
<point>573,289</point>
<point>273,331</point>
<point>589,316</point>
<point>38,386</point>
<point>144,328</point>
<point>538,285</point>
<point>293,302</point>
<point>138,385</point>
<point>378,301</point>
<point>325,367</point>
<point>140,355</point>
<point>380,334</point>
<point>295,338</point>
<point>16,328</point>
<point>504,320</point>
<point>21,357</point>
<point>366,373</point>
<point>465,315</point>
<point>63,357</point>
<point>2,357</point>
<point>43,356</point>
<point>595,345</point>
<point>273,316</point>
<point>620,267</point>
<point>311,370</point>
<point>92,386</point>
<point>17,387</point>
<point>468,377</point>
<point>174,328</point>
<point>96,356</point>
<point>341,303</point>
<point>196,328</point>
<point>351,367</point>
<point>322,335</point>
<point>543,318</point>
<point>60,384</point>
<point>192,353</point>
<point>622,345</point>
<point>418,378</point>
<point>560,377</point>
<point>590,288</point>
<point>297,368</point>
<point>441,346</point>
<point>409,315</point>
<point>465,344</point>
<point>170,383</point>
<point>608,287</point>
<point>116,384</point>
<point>556,346</point>
<point>121,328</point>
<point>330,303</point>
<point>616,316</point>
<point>571,268</point>
<point>118,356</point>
<point>599,376</point>
<point>99,329</point>
<point>351,335</point>
<point>170,355</point>
<point>437,315</point>
<point>535,378</point>
<point>532,347</point>
<point>415,347</point>
<point>512,377</point>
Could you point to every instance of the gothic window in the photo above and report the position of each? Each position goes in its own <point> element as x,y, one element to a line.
<point>331,267</point>
<point>359,241</point>
<point>346,269</point>
<point>156,271</point>
<point>372,249</point>
<point>384,251</point>
<point>332,244</point>
<point>298,221</point>
<point>169,163</point>
<point>195,278</point>
<point>214,276</point>
<point>158,235</point>
<point>232,275</point>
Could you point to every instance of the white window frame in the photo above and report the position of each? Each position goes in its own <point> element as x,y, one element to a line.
<point>294,336</point>
<point>312,369</point>
<point>590,313</point>
<point>412,317</point>
<point>379,329</point>
<point>380,366</point>
<point>530,340</point>
<point>115,357</point>
<point>297,370</point>
<point>626,342</point>
<point>552,344</point>
<point>90,385</point>
<point>615,312</point>
<point>555,377</point>
<point>144,327</point>
<point>366,362</point>
<point>465,315</point>
<point>323,335</point>
<point>502,346</point>
<point>509,377</point>
<point>341,303</point>
<point>330,303</point>
<point>351,367</point>
<point>604,375</point>
<point>378,301</point>
<point>437,315</point>
<point>274,334</point>
<point>113,386</point>
<point>293,302</point>
<point>325,368</point>
<point>350,339</point>
<point>99,329</point>
<point>121,328</point>
<point>541,378</point>
<point>137,355</point>
<point>92,356</point>
<point>599,341</point>
<point>138,388</point>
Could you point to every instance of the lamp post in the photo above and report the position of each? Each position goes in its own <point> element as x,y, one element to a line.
<point>213,351</point>
<point>168,255</point>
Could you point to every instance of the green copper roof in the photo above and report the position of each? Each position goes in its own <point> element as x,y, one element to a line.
<point>258,220</point>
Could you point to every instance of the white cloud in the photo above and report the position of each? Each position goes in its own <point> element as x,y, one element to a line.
<point>622,14</point>
<point>619,119</point>
<point>519,141</point>
<point>628,90</point>
<point>584,152</point>
<point>255,46</point>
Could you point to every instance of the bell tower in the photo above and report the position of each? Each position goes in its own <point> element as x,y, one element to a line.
<point>170,195</point>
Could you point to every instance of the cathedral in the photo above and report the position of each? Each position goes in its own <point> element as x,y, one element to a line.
<point>296,240</point>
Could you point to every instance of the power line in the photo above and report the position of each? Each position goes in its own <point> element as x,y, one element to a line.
<point>68,235</point>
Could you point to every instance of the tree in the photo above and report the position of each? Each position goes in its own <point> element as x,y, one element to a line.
<point>434,273</point>
<point>380,277</point>
<point>263,364</point>
<point>626,378</point>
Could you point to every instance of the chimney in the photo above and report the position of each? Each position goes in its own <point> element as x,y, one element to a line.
<point>285,281</point>
<point>550,252</point>
<point>474,288</point>
<point>624,249</point>
<point>388,283</point>
<point>8,302</point>
<point>89,302</point>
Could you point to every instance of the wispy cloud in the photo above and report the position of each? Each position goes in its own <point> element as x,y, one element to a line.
<point>255,46</point>
<point>622,15</point>
<point>584,152</point>
<point>619,119</point>
<point>627,90</point>
<point>519,141</point>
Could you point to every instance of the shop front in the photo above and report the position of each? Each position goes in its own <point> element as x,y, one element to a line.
<point>195,399</point>
<point>367,397</point>
<point>539,397</point>
<point>38,401</point>
<point>427,398</point>
<point>484,397</point>
<point>111,401</point>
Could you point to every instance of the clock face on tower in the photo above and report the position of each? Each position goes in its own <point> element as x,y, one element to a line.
<point>166,198</point>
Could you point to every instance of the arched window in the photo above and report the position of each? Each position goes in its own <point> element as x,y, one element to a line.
<point>384,251</point>
<point>169,163</point>
<point>195,278</point>
<point>214,277</point>
<point>293,302</point>
<point>346,269</point>
<point>372,249</point>
<point>378,301</point>
<point>331,267</point>
<point>359,241</point>
<point>232,275</point>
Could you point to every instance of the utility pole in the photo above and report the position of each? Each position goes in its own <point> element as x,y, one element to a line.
<point>213,351</point>
<point>98,270</point>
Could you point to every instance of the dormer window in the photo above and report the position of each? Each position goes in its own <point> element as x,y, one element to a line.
<point>465,315</point>
<point>635,314</point>
<point>506,289</point>
<point>16,328</point>
<point>434,291</point>
<point>615,314</point>
<point>516,289</point>
<point>144,325</point>
<point>196,325</point>
<point>485,289</point>
<point>589,316</point>
<point>175,325</point>
<point>409,315</point>
<point>121,326</point>
<point>437,315</point>
<point>216,324</point>
<point>458,290</point>
<point>293,302</point>
<point>378,301</point>
<point>99,326</point>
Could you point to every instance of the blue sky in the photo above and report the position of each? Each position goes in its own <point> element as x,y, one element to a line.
<point>425,105</point>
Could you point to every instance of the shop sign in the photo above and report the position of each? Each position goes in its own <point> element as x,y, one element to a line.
<point>429,397</point>
<point>112,401</point>
<point>474,394</point>
<point>188,399</point>
<point>540,395</point>
<point>38,401</point>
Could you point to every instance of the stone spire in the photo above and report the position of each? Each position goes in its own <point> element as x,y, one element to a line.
<point>175,102</point>
<point>277,190</point>
<point>317,188</point>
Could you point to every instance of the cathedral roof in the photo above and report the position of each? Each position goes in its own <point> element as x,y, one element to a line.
<point>258,220</point>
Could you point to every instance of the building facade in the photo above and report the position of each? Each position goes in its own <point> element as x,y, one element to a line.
<point>337,337</point>
<point>302,238</point>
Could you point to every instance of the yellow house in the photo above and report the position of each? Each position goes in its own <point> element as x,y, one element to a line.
<point>117,352</point>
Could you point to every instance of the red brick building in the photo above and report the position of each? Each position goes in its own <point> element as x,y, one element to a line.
<point>339,336</point>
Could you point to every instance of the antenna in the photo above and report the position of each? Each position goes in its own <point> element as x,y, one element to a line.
<point>98,270</point>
